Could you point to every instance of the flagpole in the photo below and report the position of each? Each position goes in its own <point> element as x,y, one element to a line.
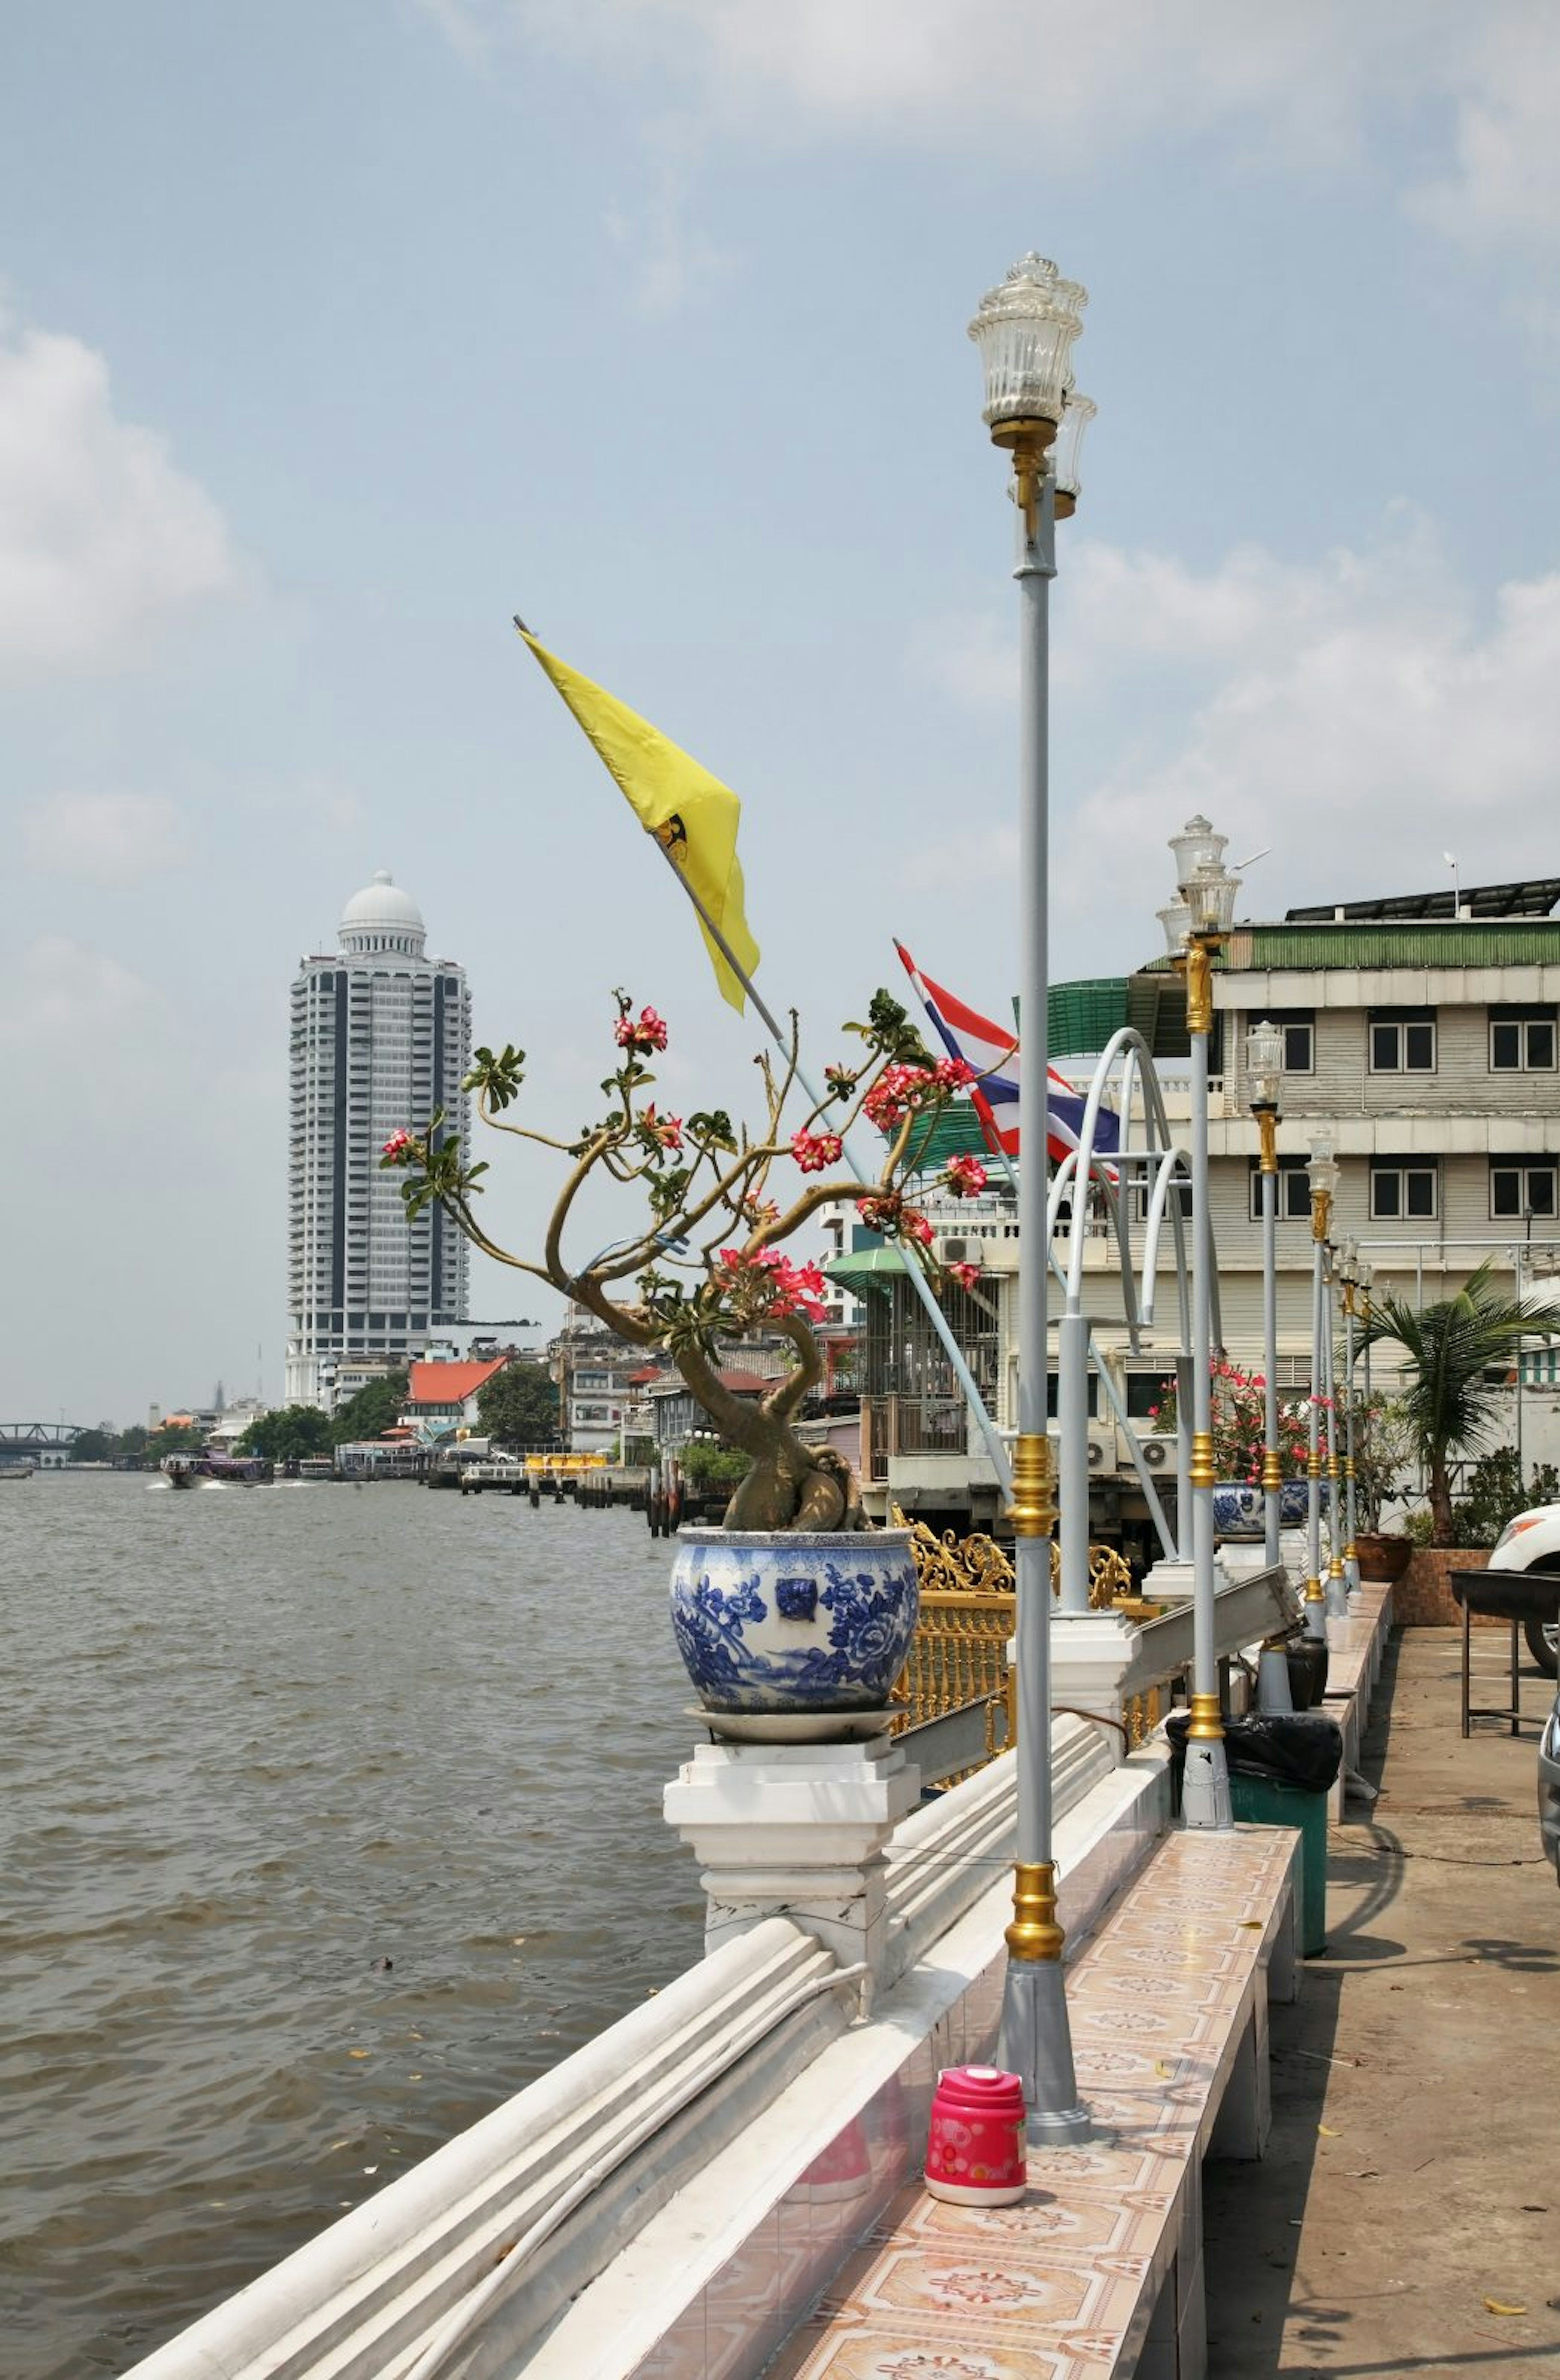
<point>996,1454</point>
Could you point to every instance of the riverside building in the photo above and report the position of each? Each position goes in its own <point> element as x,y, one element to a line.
<point>381,1039</point>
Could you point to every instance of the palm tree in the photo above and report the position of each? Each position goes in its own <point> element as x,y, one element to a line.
<point>1447,1401</point>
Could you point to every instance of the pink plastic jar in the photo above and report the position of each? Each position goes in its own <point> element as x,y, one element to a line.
<point>975,2145</point>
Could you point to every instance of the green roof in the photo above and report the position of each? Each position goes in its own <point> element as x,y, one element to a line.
<point>955,1130</point>
<point>1473,942</point>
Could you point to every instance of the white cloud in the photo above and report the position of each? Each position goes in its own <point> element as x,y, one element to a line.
<point>112,838</point>
<point>673,262</point>
<point>101,537</point>
<point>1503,181</point>
<point>62,999</point>
<point>1460,106</point>
<point>1349,713</point>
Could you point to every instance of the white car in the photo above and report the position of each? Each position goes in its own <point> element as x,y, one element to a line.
<point>1531,1541</point>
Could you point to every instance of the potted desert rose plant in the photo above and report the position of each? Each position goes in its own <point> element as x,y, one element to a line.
<point>795,1605</point>
<point>1239,1408</point>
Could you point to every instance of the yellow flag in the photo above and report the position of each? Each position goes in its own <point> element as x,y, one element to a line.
<point>693,816</point>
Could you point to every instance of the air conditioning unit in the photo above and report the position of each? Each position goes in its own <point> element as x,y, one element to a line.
<point>1156,1453</point>
<point>958,1248</point>
<point>1097,1454</point>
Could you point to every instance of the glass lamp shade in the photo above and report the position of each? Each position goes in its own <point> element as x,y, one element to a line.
<point>1210,895</point>
<point>1024,331</point>
<point>1264,1064</point>
<point>1064,455</point>
<point>1322,1166</point>
<point>1196,846</point>
<point>1350,1259</point>
<point>1176,918</point>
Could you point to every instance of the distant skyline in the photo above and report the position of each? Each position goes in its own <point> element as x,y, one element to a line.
<point>329,339</point>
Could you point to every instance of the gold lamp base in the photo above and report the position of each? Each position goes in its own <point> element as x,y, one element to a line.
<point>1035,1933</point>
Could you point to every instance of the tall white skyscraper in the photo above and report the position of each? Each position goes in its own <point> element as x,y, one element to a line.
<point>381,1039</point>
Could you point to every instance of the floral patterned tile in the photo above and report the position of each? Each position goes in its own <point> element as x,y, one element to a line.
<point>1042,2227</point>
<point>900,2352</point>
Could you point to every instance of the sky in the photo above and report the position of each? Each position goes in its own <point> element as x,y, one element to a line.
<point>330,338</point>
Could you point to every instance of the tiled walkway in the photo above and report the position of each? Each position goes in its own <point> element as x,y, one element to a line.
<point>1169,2007</point>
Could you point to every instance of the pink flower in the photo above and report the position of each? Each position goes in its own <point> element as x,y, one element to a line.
<point>667,1130</point>
<point>642,1036</point>
<point>881,1214</point>
<point>966,1275</point>
<point>897,1089</point>
<point>966,1177</point>
<point>815,1151</point>
<point>952,1074</point>
<point>398,1148</point>
<point>767,1284</point>
<point>914,1225</point>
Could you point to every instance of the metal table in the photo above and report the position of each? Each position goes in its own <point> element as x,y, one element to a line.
<point>1509,1595</point>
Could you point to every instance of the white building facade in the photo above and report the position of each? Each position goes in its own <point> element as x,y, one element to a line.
<point>380,1040</point>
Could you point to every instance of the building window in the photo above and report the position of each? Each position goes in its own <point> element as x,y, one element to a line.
<point>1518,1189</point>
<point>1179,1196</point>
<point>1293,1202</point>
<point>1522,1040</point>
<point>1147,1392</point>
<point>1403,1189</point>
<point>1298,1027</point>
<point>1402,1041</point>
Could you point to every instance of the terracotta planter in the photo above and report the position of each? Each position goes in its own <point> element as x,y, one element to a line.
<point>1383,1559</point>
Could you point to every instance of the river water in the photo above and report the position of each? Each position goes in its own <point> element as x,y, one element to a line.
<point>331,1817</point>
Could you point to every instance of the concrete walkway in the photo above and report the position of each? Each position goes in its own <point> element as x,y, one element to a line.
<point>1414,2167</point>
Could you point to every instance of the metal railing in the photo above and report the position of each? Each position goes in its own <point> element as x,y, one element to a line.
<point>957,1658</point>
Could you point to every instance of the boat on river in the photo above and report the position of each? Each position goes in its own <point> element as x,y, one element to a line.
<point>210,1463</point>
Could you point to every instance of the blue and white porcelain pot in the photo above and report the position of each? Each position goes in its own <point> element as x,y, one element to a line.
<point>779,1620</point>
<point>1240,1509</point>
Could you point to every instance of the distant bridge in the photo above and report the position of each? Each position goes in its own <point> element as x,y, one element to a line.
<point>37,1441</point>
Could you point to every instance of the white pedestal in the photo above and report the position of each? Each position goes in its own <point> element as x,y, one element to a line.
<point>1092,1654</point>
<point>797,1831</point>
<point>1175,1582</point>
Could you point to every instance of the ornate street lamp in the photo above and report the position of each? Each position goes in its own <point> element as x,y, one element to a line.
<point>1207,891</point>
<point>1024,331</point>
<point>1324,1173</point>
<point>1264,1066</point>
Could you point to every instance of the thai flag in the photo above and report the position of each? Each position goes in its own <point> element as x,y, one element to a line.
<point>993,1053</point>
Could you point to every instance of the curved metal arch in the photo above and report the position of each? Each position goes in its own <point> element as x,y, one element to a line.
<point>1161,1162</point>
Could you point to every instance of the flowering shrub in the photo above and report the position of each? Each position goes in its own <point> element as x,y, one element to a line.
<point>1240,1424</point>
<point>707,1265</point>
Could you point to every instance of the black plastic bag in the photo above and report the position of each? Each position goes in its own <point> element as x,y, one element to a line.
<point>1303,1748</point>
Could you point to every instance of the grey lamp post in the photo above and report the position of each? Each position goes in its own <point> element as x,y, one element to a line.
<point>1335,1591</point>
<point>1349,1272</point>
<point>1024,331</point>
<point>1208,890</point>
<point>1264,1065</point>
<point>1324,1173</point>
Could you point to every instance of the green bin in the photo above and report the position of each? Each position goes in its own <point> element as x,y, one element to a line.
<point>1267,1801</point>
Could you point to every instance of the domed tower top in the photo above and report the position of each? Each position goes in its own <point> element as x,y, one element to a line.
<point>382,917</point>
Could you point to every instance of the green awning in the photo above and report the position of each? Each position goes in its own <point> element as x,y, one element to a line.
<point>865,1270</point>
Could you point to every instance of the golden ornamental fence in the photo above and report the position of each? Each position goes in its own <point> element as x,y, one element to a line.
<point>959,1653</point>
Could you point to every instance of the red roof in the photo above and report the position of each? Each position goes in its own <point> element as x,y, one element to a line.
<point>449,1384</point>
<point>741,1384</point>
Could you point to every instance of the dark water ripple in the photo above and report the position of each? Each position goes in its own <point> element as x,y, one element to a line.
<point>253,1742</point>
